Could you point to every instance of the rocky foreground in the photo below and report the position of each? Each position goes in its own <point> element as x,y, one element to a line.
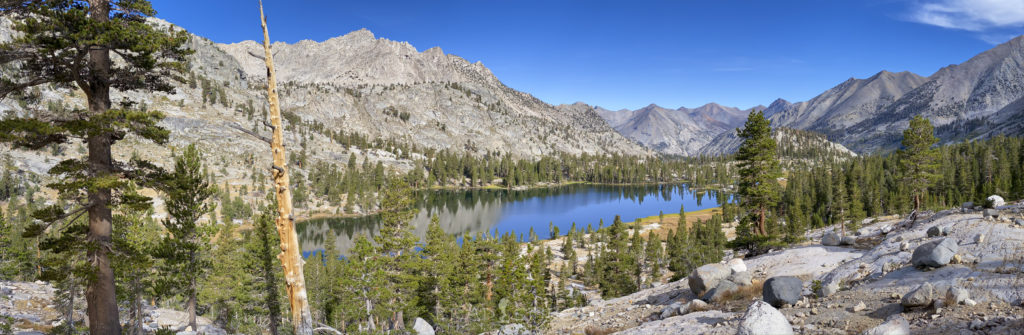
<point>957,271</point>
<point>30,308</point>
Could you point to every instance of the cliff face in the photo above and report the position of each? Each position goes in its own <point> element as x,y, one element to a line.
<point>848,103</point>
<point>354,81</point>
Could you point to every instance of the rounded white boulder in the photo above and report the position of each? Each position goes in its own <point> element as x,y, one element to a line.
<point>763,319</point>
<point>995,201</point>
<point>422,327</point>
<point>737,265</point>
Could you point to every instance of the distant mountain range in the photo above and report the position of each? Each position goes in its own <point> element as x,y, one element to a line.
<point>681,131</point>
<point>981,97</point>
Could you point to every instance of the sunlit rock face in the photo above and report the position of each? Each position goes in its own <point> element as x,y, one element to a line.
<point>353,80</point>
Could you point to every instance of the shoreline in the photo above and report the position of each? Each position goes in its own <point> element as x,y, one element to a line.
<point>328,215</point>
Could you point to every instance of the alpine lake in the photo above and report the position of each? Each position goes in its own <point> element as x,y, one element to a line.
<point>489,211</point>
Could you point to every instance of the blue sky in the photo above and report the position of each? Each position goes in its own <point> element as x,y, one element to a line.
<point>628,54</point>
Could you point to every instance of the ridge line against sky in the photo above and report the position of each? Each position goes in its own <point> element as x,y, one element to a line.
<point>630,54</point>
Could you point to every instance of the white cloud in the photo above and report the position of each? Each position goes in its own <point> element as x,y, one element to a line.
<point>994,39</point>
<point>971,15</point>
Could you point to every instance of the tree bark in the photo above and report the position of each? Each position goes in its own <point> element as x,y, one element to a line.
<point>291,258</point>
<point>761,228</point>
<point>192,301</point>
<point>100,295</point>
<point>842,228</point>
<point>489,285</point>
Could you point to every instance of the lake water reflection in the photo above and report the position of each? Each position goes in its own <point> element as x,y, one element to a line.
<point>484,211</point>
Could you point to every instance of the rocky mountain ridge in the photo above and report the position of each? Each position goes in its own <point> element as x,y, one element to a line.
<point>349,81</point>
<point>978,98</point>
<point>975,90</point>
<point>683,131</point>
<point>846,104</point>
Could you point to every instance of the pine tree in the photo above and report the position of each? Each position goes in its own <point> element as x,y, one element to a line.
<point>471,286</point>
<point>682,216</point>
<point>261,250</point>
<point>615,261</point>
<point>840,202</point>
<point>323,275</point>
<point>636,250</point>
<point>796,223</point>
<point>654,254</point>
<point>442,252</point>
<point>8,263</point>
<point>856,208</point>
<point>136,237</point>
<point>69,44</point>
<point>20,261</point>
<point>68,274</point>
<point>184,264</point>
<point>396,245</point>
<point>228,289</point>
<point>758,170</point>
<point>369,285</point>
<point>918,158</point>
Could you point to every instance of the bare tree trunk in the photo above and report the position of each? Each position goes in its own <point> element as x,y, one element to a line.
<point>369,313</point>
<point>291,258</point>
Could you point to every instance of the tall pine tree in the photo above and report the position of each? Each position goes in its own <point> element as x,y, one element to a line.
<point>136,236</point>
<point>616,264</point>
<point>68,44</point>
<point>918,158</point>
<point>184,264</point>
<point>758,171</point>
